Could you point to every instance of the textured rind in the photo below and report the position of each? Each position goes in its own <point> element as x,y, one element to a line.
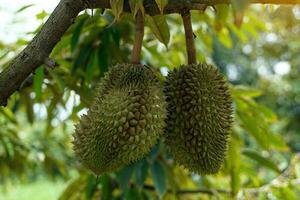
<point>199,118</point>
<point>125,120</point>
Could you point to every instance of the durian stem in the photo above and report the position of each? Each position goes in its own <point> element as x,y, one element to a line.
<point>189,36</point>
<point>139,35</point>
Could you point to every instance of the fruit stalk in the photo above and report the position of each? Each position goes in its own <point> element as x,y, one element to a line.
<point>189,37</point>
<point>139,35</point>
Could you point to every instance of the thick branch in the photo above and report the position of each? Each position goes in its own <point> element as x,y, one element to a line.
<point>175,6</point>
<point>38,50</point>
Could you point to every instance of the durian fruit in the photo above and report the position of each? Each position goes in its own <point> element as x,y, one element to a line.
<point>199,109</point>
<point>125,120</point>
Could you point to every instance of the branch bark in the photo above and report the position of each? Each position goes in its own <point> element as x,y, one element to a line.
<point>175,6</point>
<point>38,50</point>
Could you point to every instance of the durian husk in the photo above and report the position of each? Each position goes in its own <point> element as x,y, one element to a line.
<point>199,118</point>
<point>125,120</point>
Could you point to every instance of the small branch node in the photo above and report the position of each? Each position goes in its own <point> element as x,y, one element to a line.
<point>50,63</point>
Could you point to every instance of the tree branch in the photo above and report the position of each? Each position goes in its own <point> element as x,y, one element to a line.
<point>175,6</point>
<point>38,50</point>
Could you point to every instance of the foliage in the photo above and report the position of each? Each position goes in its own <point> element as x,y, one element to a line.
<point>262,160</point>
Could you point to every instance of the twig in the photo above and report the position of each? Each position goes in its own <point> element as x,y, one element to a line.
<point>191,191</point>
<point>283,180</point>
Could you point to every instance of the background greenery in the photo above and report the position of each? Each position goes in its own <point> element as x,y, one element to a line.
<point>260,57</point>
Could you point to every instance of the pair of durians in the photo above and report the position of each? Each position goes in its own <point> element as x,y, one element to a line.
<point>132,110</point>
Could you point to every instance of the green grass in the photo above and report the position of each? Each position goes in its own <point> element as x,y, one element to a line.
<point>39,190</point>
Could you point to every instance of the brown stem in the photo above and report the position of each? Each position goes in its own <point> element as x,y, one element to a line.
<point>189,37</point>
<point>139,35</point>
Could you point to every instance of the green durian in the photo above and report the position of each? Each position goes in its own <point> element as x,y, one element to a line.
<point>126,119</point>
<point>199,117</point>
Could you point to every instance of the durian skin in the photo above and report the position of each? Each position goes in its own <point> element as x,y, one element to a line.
<point>199,118</point>
<point>125,120</point>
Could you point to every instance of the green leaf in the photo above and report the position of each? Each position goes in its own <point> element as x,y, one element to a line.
<point>161,5</point>
<point>261,160</point>
<point>132,194</point>
<point>160,28</point>
<point>90,71</point>
<point>239,7</point>
<point>159,177</point>
<point>287,193</point>
<point>41,15</point>
<point>106,189</point>
<point>248,27</point>
<point>277,142</point>
<point>222,11</point>
<point>117,8</point>
<point>58,80</point>
<point>76,33</point>
<point>82,58</point>
<point>24,8</point>
<point>136,5</point>
<point>154,152</point>
<point>38,82</point>
<point>225,38</point>
<point>251,124</point>
<point>241,91</point>
<point>90,187</point>
<point>268,113</point>
<point>124,176</point>
<point>72,189</point>
<point>239,33</point>
<point>297,170</point>
<point>141,172</point>
<point>233,163</point>
<point>25,96</point>
<point>8,114</point>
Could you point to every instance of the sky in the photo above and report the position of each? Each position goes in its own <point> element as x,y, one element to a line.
<point>15,25</point>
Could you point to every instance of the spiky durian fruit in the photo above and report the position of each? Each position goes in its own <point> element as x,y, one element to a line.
<point>125,120</point>
<point>199,109</point>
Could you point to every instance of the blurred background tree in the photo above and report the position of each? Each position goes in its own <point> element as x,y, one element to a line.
<point>258,51</point>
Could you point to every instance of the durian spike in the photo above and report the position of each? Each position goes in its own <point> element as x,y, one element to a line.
<point>189,37</point>
<point>139,35</point>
